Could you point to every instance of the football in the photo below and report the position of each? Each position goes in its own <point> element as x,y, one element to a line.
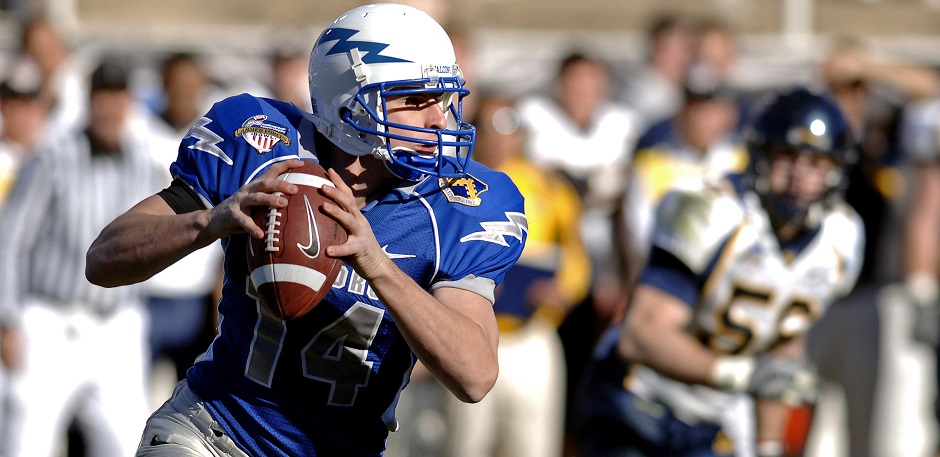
<point>289,267</point>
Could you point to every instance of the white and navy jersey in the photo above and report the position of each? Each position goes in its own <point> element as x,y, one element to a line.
<point>326,383</point>
<point>749,292</point>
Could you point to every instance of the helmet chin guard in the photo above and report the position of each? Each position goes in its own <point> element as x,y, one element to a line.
<point>375,52</point>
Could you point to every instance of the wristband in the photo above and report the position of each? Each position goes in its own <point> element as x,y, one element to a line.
<point>923,288</point>
<point>732,373</point>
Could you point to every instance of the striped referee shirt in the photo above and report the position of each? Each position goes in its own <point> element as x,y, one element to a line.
<point>65,195</point>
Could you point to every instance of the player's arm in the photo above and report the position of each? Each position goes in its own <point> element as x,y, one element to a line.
<point>151,236</point>
<point>654,334</point>
<point>453,332</point>
<point>656,324</point>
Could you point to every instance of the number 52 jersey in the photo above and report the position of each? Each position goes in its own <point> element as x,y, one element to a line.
<point>714,249</point>
<point>326,384</point>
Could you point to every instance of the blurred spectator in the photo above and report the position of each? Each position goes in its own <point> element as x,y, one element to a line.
<point>289,83</point>
<point>577,130</point>
<point>700,144</point>
<point>716,49</point>
<point>655,89</point>
<point>180,299</point>
<point>75,350</point>
<point>186,89</point>
<point>63,74</point>
<point>23,113</point>
<point>716,59</point>
<point>523,415</point>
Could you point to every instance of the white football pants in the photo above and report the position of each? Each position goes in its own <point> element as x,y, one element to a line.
<point>81,366</point>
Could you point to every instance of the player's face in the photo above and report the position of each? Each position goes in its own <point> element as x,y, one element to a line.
<point>417,110</point>
<point>799,176</point>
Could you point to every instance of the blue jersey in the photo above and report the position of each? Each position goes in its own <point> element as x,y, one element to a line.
<point>326,384</point>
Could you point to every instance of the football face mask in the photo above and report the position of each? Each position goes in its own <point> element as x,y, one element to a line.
<point>455,141</point>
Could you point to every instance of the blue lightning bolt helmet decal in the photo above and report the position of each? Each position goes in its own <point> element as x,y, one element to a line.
<point>371,51</point>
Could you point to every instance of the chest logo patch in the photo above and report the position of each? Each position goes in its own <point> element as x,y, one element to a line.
<point>465,190</point>
<point>262,134</point>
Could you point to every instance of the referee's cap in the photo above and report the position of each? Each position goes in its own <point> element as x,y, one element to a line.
<point>112,73</point>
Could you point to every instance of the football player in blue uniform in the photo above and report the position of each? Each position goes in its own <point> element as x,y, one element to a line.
<point>431,234</point>
<point>709,359</point>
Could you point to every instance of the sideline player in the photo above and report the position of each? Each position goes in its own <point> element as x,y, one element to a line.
<point>711,353</point>
<point>430,236</point>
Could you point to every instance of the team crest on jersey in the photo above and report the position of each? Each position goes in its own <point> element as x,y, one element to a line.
<point>262,134</point>
<point>465,190</point>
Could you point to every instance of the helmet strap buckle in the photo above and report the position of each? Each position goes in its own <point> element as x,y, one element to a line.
<point>357,65</point>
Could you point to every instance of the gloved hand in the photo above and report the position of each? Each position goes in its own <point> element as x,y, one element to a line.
<point>923,294</point>
<point>791,380</point>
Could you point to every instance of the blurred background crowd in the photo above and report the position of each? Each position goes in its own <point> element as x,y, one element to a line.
<point>598,106</point>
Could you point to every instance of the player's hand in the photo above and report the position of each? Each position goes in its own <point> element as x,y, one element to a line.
<point>361,250</point>
<point>234,214</point>
<point>790,380</point>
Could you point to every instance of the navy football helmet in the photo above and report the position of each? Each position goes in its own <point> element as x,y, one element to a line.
<point>805,121</point>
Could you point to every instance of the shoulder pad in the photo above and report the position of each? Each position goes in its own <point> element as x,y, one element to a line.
<point>692,226</point>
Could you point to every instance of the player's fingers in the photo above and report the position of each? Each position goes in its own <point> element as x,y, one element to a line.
<point>339,197</point>
<point>340,193</point>
<point>268,181</point>
<point>229,218</point>
<point>344,217</point>
<point>280,167</point>
<point>338,182</point>
<point>276,200</point>
<point>248,225</point>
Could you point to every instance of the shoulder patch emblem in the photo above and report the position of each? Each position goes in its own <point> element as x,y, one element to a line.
<point>262,134</point>
<point>465,190</point>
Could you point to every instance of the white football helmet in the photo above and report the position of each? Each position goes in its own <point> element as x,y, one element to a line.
<point>382,50</point>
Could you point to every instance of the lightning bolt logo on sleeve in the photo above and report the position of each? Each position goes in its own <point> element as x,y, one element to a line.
<point>496,232</point>
<point>207,140</point>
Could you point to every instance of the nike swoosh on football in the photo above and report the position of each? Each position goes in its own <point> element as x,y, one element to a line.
<point>312,249</point>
